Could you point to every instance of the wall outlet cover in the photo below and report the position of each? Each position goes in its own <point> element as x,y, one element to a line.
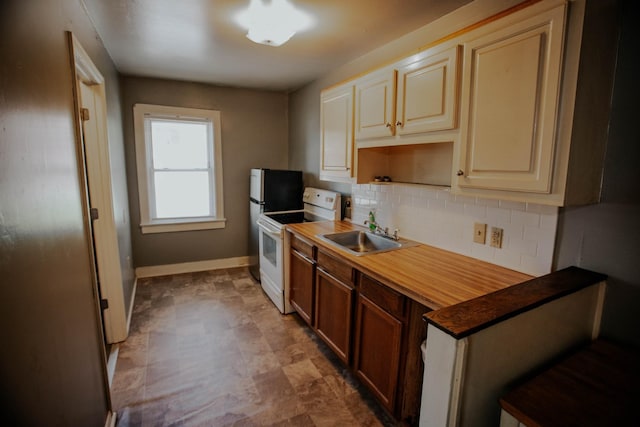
<point>496,237</point>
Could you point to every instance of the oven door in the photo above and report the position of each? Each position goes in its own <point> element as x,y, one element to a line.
<point>271,263</point>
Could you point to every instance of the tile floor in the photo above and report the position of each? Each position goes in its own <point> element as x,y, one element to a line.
<point>209,349</point>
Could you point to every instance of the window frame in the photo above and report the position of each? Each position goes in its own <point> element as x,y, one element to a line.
<point>144,166</point>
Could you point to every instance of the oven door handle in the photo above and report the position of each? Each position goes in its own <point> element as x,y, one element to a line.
<point>269,229</point>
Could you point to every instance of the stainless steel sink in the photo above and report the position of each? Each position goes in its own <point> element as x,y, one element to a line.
<point>361,243</point>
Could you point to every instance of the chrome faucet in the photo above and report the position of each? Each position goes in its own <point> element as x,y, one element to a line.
<point>384,232</point>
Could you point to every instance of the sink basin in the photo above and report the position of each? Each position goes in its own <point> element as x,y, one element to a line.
<point>360,243</point>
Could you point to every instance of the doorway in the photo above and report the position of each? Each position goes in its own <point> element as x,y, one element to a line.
<point>95,168</point>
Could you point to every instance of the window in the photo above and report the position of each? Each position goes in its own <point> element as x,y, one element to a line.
<point>179,162</point>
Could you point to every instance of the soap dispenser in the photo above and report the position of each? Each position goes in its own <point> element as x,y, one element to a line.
<point>372,221</point>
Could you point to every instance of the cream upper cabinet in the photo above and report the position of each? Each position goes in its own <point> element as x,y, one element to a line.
<point>427,93</point>
<point>520,101</point>
<point>417,95</point>
<point>375,104</point>
<point>336,134</point>
<point>510,99</point>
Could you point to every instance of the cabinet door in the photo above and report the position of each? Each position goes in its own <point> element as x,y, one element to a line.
<point>302,279</point>
<point>377,350</point>
<point>333,309</point>
<point>427,93</point>
<point>375,105</point>
<point>510,90</point>
<point>336,134</point>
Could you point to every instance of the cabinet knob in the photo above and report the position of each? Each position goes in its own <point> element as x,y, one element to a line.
<point>398,123</point>
<point>460,172</point>
<point>388,125</point>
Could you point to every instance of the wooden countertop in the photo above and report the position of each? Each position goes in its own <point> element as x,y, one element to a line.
<point>596,386</point>
<point>434,277</point>
<point>471,316</point>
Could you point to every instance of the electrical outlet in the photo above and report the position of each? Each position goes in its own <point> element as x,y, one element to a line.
<point>479,233</point>
<point>496,237</point>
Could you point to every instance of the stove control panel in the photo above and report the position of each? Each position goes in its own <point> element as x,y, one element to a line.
<point>328,201</point>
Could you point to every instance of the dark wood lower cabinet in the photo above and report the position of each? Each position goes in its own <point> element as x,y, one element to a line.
<point>377,350</point>
<point>302,281</point>
<point>333,313</point>
<point>373,329</point>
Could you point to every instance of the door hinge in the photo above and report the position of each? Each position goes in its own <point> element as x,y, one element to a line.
<point>104,304</point>
<point>93,213</point>
<point>84,114</point>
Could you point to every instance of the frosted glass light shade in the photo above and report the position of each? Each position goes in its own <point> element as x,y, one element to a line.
<point>272,24</point>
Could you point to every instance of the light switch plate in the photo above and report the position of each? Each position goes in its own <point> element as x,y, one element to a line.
<point>479,233</point>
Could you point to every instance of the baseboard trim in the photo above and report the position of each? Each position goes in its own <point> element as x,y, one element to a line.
<point>133,298</point>
<point>191,267</point>
<point>112,361</point>
<point>111,419</point>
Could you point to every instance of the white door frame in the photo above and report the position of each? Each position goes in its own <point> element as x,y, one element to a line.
<point>95,150</point>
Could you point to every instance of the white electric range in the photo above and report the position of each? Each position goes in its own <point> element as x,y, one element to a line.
<point>319,205</point>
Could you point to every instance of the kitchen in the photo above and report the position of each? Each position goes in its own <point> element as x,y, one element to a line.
<point>41,200</point>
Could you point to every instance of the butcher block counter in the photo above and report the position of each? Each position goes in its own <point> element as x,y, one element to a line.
<point>433,277</point>
<point>376,304</point>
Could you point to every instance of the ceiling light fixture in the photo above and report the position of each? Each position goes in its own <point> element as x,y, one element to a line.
<point>272,23</point>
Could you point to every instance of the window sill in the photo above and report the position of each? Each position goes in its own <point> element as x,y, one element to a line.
<point>170,227</point>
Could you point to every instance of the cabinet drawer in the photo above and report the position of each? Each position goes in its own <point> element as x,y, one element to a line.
<point>302,246</point>
<point>386,298</point>
<point>335,267</point>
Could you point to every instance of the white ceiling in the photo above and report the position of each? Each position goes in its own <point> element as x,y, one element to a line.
<point>198,40</point>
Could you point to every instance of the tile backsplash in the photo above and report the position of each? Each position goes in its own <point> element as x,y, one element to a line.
<point>432,215</point>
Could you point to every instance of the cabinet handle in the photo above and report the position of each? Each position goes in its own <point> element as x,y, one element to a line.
<point>303,256</point>
<point>398,123</point>
<point>460,172</point>
<point>388,125</point>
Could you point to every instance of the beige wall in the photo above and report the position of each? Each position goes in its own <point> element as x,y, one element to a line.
<point>51,363</point>
<point>254,134</point>
<point>304,129</point>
